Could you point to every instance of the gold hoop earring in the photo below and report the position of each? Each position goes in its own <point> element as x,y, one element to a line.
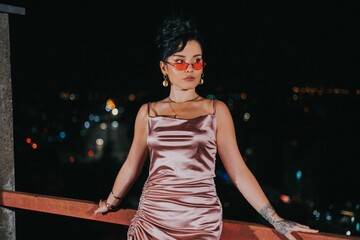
<point>165,82</point>
<point>201,80</point>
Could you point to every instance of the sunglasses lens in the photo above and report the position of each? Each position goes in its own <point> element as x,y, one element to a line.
<point>198,65</point>
<point>181,66</point>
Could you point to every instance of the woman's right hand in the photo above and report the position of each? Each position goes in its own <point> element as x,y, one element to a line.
<point>103,208</point>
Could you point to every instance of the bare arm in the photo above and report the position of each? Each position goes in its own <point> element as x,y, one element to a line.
<point>133,165</point>
<point>243,178</point>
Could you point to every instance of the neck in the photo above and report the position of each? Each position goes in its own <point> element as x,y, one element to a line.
<point>189,100</point>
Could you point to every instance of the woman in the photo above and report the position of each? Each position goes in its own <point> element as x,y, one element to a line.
<point>182,134</point>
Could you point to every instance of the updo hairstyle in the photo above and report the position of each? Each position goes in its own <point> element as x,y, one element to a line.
<point>173,34</point>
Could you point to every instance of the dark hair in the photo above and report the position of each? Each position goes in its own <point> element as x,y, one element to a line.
<point>174,33</point>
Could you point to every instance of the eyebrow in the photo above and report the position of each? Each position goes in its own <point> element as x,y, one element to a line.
<point>179,55</point>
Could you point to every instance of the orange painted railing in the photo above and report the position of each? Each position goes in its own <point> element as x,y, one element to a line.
<point>232,230</point>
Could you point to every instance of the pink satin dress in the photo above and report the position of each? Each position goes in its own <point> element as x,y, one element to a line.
<point>179,198</point>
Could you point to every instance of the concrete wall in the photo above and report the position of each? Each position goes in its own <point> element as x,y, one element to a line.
<point>7,172</point>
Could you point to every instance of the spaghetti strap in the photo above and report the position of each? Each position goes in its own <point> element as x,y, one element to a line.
<point>148,108</point>
<point>214,106</point>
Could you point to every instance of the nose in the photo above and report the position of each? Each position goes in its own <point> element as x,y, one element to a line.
<point>189,68</point>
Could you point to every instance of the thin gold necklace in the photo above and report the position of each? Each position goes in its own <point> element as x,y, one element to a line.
<point>190,100</point>
<point>187,105</point>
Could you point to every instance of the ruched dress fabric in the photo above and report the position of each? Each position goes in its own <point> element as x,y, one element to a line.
<point>179,199</point>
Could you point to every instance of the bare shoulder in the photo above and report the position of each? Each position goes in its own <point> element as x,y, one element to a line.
<point>221,108</point>
<point>224,120</point>
<point>153,108</point>
<point>143,110</point>
<point>223,114</point>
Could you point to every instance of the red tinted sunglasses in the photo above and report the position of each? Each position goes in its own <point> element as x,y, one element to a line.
<point>184,65</point>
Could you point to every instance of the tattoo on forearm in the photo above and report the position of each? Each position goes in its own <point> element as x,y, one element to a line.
<point>268,213</point>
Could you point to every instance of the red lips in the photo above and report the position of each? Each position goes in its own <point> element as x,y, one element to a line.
<point>189,78</point>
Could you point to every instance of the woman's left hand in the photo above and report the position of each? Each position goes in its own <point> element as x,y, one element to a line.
<point>286,227</point>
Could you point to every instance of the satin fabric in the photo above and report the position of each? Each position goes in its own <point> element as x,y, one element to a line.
<point>179,199</point>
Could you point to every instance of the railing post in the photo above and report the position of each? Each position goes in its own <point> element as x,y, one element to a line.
<point>7,171</point>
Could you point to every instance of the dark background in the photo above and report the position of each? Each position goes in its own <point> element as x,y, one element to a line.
<point>296,62</point>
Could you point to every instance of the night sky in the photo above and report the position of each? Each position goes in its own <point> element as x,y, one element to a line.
<point>96,44</point>
<point>262,48</point>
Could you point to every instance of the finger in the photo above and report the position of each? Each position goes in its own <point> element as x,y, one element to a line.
<point>96,211</point>
<point>289,236</point>
<point>308,230</point>
<point>303,226</point>
<point>300,226</point>
<point>100,210</point>
<point>304,229</point>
